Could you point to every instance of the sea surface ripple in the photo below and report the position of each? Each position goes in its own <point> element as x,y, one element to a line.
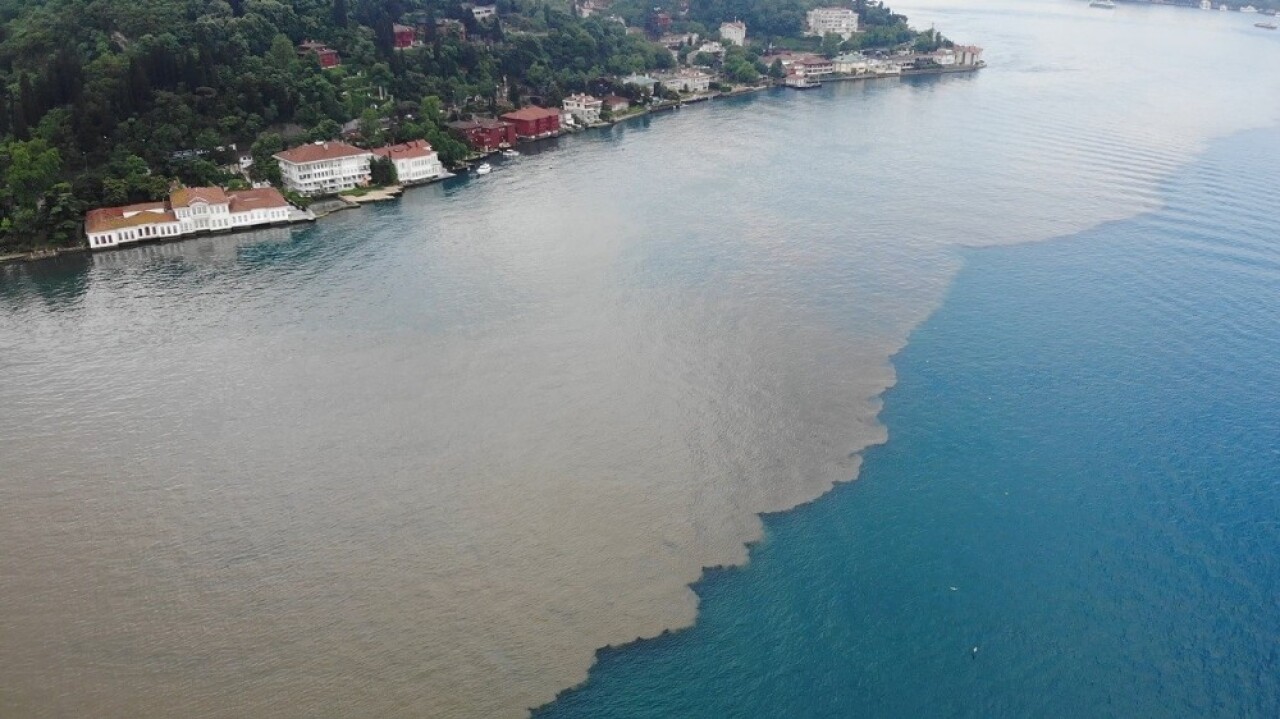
<point>426,458</point>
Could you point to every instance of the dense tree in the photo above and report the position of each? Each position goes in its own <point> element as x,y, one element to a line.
<point>109,102</point>
<point>382,171</point>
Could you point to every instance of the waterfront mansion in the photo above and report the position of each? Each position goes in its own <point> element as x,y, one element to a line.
<point>324,168</point>
<point>188,211</point>
<point>416,162</point>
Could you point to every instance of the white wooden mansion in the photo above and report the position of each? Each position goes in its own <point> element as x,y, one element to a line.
<point>189,211</point>
<point>416,162</point>
<point>324,168</point>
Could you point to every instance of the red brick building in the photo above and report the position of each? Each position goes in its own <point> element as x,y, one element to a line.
<point>485,134</point>
<point>404,36</point>
<point>534,121</point>
<point>327,56</point>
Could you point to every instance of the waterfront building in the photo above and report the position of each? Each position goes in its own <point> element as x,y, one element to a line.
<point>968,55</point>
<point>584,108</point>
<point>945,56</point>
<point>850,64</point>
<point>327,56</point>
<point>734,32</point>
<point>485,134</point>
<point>404,36</point>
<point>687,80</point>
<point>824,21</point>
<point>533,122</point>
<point>188,211</point>
<point>1206,5</point>
<point>324,168</point>
<point>416,162</point>
<point>813,66</point>
<point>616,103</point>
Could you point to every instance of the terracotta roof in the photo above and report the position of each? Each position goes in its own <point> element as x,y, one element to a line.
<point>209,195</point>
<point>533,112</point>
<point>487,123</point>
<point>105,219</point>
<point>615,99</point>
<point>405,150</point>
<point>256,199</point>
<point>316,152</point>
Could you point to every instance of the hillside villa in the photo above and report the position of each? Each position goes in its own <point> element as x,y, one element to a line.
<point>824,21</point>
<point>734,32</point>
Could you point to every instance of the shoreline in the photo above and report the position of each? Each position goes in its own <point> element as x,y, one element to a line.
<point>341,202</point>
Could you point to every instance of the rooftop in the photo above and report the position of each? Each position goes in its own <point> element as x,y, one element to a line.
<point>487,123</point>
<point>105,219</point>
<point>209,195</point>
<point>533,112</point>
<point>405,150</point>
<point>319,151</point>
<point>256,199</point>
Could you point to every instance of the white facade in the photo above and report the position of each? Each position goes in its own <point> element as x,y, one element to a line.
<point>711,48</point>
<point>825,21</point>
<point>189,212</point>
<point>416,162</point>
<point>851,64</point>
<point>419,169</point>
<point>734,32</point>
<point>584,108</point>
<point>968,55</point>
<point>944,57</point>
<point>481,12</point>
<point>687,81</point>
<point>330,168</point>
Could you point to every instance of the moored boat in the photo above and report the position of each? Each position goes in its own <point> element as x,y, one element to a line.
<point>484,168</point>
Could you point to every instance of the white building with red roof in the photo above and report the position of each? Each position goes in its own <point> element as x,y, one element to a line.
<point>189,211</point>
<point>324,168</point>
<point>416,162</point>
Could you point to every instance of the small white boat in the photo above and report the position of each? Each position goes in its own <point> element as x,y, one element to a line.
<point>483,168</point>
<point>510,153</point>
<point>1105,4</point>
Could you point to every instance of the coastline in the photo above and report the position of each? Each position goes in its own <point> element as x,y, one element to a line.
<point>350,201</point>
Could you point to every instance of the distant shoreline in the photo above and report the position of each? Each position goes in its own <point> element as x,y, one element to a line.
<point>49,253</point>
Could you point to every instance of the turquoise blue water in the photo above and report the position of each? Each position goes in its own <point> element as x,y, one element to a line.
<point>1082,482</point>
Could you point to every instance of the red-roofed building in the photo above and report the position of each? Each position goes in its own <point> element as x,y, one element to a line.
<point>404,36</point>
<point>327,56</point>
<point>485,134</point>
<point>415,161</point>
<point>189,211</point>
<point>533,121</point>
<point>324,168</point>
